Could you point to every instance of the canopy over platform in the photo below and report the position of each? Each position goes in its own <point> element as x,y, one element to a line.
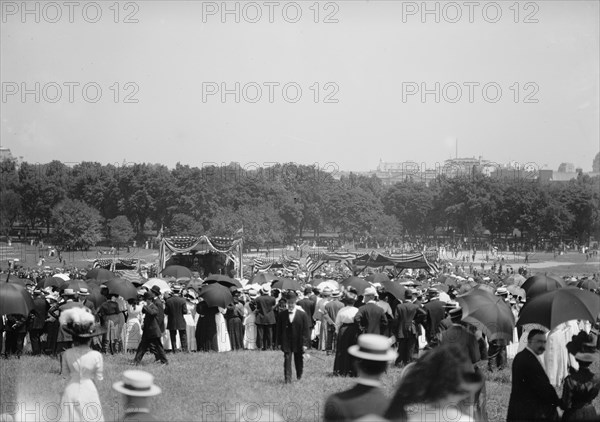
<point>415,260</point>
<point>193,252</point>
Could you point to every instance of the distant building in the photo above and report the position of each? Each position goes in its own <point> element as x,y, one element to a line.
<point>566,168</point>
<point>5,154</point>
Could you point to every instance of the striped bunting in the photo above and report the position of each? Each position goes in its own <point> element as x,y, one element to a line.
<point>262,264</point>
<point>290,264</point>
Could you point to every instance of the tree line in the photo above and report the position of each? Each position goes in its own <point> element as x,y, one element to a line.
<point>85,203</point>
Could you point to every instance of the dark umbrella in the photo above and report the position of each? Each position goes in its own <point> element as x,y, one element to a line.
<point>395,289</point>
<point>588,284</point>
<point>216,295</point>
<point>377,278</point>
<point>177,271</point>
<point>14,299</point>
<point>286,284</point>
<point>99,274</point>
<point>53,282</point>
<point>262,278</point>
<point>553,308</point>
<point>122,287</point>
<point>488,312</point>
<point>222,279</point>
<point>540,284</point>
<point>358,283</point>
<point>95,296</point>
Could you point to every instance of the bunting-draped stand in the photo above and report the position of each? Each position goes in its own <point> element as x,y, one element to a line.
<point>230,247</point>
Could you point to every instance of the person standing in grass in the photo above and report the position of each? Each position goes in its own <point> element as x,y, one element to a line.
<point>532,397</point>
<point>581,387</point>
<point>80,400</point>
<point>294,333</point>
<point>373,354</point>
<point>137,388</point>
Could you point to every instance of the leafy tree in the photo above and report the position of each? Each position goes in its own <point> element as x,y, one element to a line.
<point>76,224</point>
<point>9,211</point>
<point>411,203</point>
<point>120,230</point>
<point>184,225</point>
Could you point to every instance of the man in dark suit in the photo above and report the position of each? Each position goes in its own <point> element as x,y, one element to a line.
<point>265,318</point>
<point>294,334</point>
<point>151,332</point>
<point>175,309</point>
<point>308,304</point>
<point>532,397</point>
<point>407,331</point>
<point>367,397</point>
<point>371,318</point>
<point>435,314</point>
<point>37,320</point>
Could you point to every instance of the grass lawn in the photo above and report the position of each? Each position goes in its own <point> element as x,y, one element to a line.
<point>207,387</point>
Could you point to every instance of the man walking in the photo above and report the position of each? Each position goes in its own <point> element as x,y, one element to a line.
<point>294,334</point>
<point>532,397</point>
<point>151,332</point>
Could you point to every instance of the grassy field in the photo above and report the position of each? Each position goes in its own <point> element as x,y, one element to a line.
<point>207,387</point>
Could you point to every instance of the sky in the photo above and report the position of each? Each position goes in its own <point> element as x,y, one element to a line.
<point>340,84</point>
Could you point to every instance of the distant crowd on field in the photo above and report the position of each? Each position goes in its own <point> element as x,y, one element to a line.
<point>335,308</point>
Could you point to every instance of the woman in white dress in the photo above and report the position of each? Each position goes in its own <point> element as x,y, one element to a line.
<point>80,400</point>
<point>223,343</point>
<point>249,321</point>
<point>191,318</point>
<point>133,331</point>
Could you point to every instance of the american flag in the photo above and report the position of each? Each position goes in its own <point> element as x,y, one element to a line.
<point>313,262</point>
<point>290,264</point>
<point>262,264</point>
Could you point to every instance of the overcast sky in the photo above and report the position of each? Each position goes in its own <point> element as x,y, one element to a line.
<point>353,82</point>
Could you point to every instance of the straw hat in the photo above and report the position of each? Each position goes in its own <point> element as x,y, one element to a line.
<point>373,347</point>
<point>138,384</point>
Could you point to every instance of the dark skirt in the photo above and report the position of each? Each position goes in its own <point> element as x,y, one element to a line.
<point>236,333</point>
<point>584,414</point>
<point>343,364</point>
<point>206,333</point>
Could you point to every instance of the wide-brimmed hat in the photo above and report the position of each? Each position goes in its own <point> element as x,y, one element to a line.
<point>156,290</point>
<point>83,291</point>
<point>252,293</point>
<point>138,384</point>
<point>80,322</point>
<point>583,347</point>
<point>176,288</point>
<point>373,347</point>
<point>326,292</point>
<point>265,288</point>
<point>336,293</point>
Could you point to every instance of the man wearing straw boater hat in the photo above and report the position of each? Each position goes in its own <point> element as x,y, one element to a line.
<point>137,387</point>
<point>373,354</point>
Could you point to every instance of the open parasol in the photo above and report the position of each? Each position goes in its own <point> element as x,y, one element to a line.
<point>555,307</point>
<point>14,299</point>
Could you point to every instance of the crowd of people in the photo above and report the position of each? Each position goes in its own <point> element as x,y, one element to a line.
<point>423,332</point>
